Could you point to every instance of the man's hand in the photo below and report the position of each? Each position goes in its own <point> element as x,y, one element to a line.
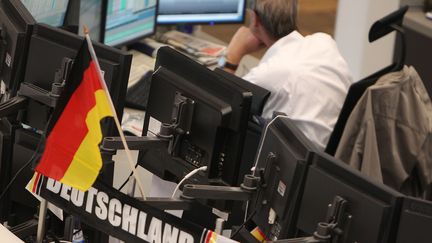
<point>242,43</point>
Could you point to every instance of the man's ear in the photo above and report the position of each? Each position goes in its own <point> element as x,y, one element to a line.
<point>254,19</point>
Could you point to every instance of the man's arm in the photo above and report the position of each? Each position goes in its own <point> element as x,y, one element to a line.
<point>242,43</point>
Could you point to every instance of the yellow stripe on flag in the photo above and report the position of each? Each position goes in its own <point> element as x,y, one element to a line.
<point>87,161</point>
<point>213,238</point>
<point>258,234</point>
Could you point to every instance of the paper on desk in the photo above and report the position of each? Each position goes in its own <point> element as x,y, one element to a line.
<point>133,123</point>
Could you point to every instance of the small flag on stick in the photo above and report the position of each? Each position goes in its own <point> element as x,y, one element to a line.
<point>72,154</point>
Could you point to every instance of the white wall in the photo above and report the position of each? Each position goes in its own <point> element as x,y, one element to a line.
<point>354,18</point>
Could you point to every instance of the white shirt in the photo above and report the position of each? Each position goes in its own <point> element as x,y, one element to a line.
<point>308,80</point>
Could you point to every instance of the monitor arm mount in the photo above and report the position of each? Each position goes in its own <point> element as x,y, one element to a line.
<point>331,231</point>
<point>30,91</point>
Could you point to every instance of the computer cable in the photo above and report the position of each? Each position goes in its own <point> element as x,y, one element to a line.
<point>131,174</point>
<point>234,234</point>
<point>189,175</point>
<point>127,179</point>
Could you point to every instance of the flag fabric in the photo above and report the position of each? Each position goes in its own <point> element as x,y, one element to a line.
<point>35,183</point>
<point>258,234</point>
<point>212,237</point>
<point>71,153</point>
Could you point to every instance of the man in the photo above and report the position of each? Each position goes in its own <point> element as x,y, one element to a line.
<point>307,76</point>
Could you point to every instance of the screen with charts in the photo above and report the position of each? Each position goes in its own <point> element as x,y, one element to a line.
<point>128,20</point>
<point>200,11</point>
<point>51,12</point>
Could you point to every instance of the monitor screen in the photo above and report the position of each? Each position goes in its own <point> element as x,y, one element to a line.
<point>127,21</point>
<point>201,11</point>
<point>51,12</point>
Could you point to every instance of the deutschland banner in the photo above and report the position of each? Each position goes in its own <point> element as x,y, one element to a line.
<point>72,154</point>
<point>124,217</point>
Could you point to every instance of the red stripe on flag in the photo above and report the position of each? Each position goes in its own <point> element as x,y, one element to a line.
<point>35,183</point>
<point>209,236</point>
<point>70,129</point>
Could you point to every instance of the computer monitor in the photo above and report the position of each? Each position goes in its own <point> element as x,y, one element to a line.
<point>126,21</point>
<point>415,221</point>
<point>51,12</point>
<point>282,160</point>
<point>49,46</point>
<point>201,11</point>
<point>364,211</point>
<point>204,119</point>
<point>220,151</point>
<point>16,25</point>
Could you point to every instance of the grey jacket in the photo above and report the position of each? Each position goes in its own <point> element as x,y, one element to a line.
<point>388,136</point>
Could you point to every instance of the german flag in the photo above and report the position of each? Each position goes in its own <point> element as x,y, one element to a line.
<point>71,153</point>
<point>212,237</point>
<point>35,183</point>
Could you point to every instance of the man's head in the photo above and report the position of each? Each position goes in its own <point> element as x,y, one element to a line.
<point>273,19</point>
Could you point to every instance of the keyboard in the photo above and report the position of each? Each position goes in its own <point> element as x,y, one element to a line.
<point>141,64</point>
<point>137,94</point>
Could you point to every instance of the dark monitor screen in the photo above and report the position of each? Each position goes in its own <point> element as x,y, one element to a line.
<point>16,25</point>
<point>415,221</point>
<point>49,46</point>
<point>225,152</point>
<point>129,20</point>
<point>283,157</point>
<point>369,213</point>
<point>201,11</point>
<point>51,12</point>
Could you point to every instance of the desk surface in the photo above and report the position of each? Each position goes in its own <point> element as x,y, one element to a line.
<point>7,236</point>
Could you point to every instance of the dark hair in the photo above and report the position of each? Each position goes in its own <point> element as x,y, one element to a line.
<point>279,17</point>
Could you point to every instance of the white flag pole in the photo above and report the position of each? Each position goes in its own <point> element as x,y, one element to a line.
<point>117,122</point>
